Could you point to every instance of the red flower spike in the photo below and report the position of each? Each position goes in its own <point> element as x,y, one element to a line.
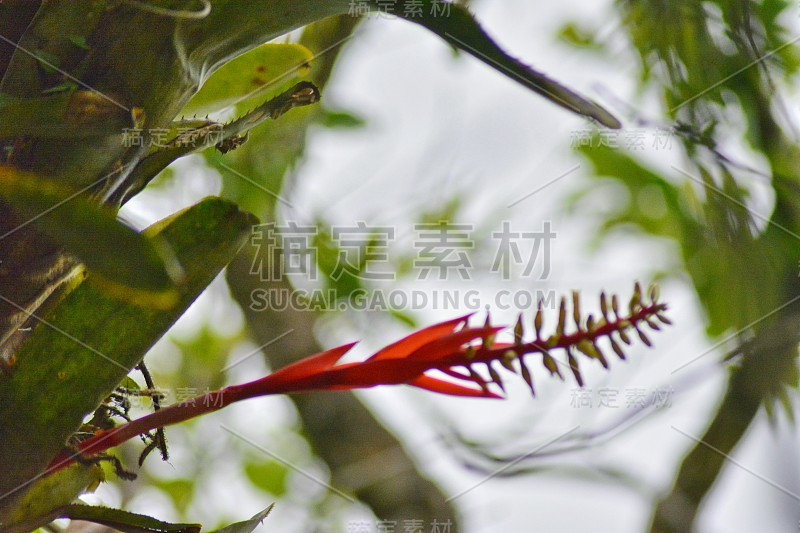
<point>449,347</point>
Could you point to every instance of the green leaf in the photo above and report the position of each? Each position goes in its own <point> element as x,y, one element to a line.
<point>335,264</point>
<point>208,133</point>
<point>269,476</point>
<point>80,42</point>
<point>248,526</point>
<point>47,61</point>
<point>124,521</point>
<point>340,119</point>
<point>66,114</point>
<point>250,77</point>
<point>404,318</point>
<point>204,355</point>
<point>51,492</point>
<point>673,220</point>
<point>128,264</point>
<point>579,37</point>
<point>90,342</point>
<point>130,384</point>
<point>63,87</point>
<point>180,491</point>
<point>461,30</point>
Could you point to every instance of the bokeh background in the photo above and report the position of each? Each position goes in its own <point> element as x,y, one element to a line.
<point>414,132</point>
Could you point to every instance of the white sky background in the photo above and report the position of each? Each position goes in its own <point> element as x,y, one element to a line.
<point>437,127</point>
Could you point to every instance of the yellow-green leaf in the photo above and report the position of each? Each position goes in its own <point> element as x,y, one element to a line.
<point>86,346</point>
<point>51,492</point>
<point>250,77</point>
<point>128,264</point>
<point>65,115</point>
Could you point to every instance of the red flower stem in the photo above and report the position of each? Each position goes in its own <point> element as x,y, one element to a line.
<point>173,414</point>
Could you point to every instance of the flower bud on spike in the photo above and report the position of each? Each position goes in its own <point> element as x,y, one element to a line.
<point>601,357</point>
<point>604,306</point>
<point>615,305</point>
<point>488,341</point>
<point>576,309</point>
<point>653,293</point>
<point>518,330</point>
<point>590,349</point>
<point>636,299</point>
<point>616,348</point>
<point>537,322</point>
<point>478,379</point>
<point>644,338</point>
<point>495,376</point>
<point>508,360</point>
<point>551,365</point>
<point>526,375</point>
<point>562,317</point>
<point>573,365</point>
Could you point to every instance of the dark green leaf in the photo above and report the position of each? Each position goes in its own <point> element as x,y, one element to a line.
<point>49,62</point>
<point>88,344</point>
<point>124,521</point>
<point>79,41</point>
<point>462,31</point>
<point>127,263</point>
<point>63,113</point>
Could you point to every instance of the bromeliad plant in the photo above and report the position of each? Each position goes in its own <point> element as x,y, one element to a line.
<point>79,81</point>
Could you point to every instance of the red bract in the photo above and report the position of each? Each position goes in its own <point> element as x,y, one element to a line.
<point>404,362</point>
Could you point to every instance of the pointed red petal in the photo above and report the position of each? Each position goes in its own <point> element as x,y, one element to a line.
<point>451,389</point>
<point>450,344</point>
<point>316,364</point>
<point>412,342</point>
